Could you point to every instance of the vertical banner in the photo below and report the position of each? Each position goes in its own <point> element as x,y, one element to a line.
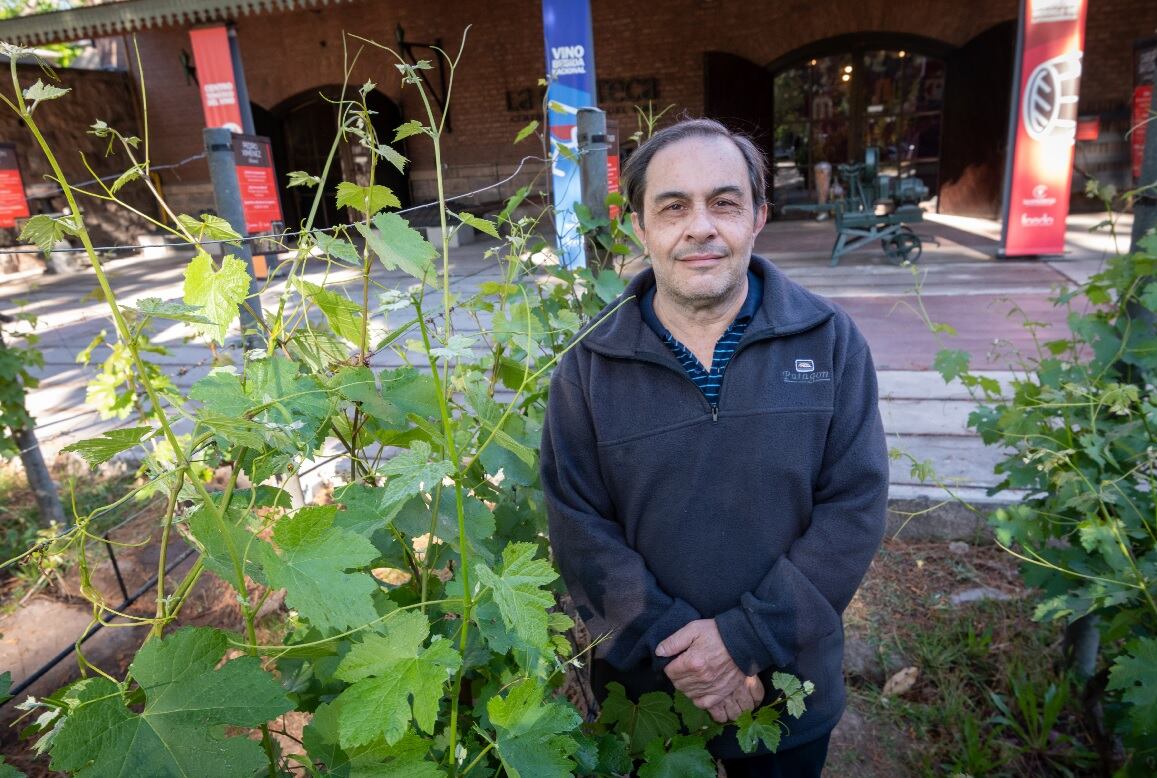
<point>1042,127</point>
<point>570,65</point>
<point>215,74</point>
<point>258,183</point>
<point>13,202</point>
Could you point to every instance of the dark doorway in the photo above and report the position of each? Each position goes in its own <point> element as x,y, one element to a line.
<point>302,129</point>
<point>739,93</point>
<point>976,123</point>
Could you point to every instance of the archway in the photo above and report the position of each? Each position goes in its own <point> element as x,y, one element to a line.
<point>302,131</point>
<point>834,98</point>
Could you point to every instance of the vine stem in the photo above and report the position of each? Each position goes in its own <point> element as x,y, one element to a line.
<point>78,228</point>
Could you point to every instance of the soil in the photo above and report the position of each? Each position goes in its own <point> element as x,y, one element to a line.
<point>908,585</point>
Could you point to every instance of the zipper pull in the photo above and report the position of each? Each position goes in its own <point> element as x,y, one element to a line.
<point>715,412</point>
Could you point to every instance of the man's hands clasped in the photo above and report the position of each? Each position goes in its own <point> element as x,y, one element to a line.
<point>705,672</point>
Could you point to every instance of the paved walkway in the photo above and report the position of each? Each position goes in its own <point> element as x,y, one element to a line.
<point>961,284</point>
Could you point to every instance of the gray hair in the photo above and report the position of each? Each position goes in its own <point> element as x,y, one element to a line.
<point>635,168</point>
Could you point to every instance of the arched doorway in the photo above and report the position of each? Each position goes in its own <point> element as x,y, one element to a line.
<point>302,129</point>
<point>836,97</point>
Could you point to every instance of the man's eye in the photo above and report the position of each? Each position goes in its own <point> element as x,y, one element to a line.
<point>725,203</point>
<point>673,207</point>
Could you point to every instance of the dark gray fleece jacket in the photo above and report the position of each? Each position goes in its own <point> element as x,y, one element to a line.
<point>762,513</point>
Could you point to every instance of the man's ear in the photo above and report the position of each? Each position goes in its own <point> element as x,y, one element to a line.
<point>637,223</point>
<point>760,217</point>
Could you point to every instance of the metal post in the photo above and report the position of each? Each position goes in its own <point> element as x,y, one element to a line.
<point>239,80</point>
<point>592,147</point>
<point>227,195</point>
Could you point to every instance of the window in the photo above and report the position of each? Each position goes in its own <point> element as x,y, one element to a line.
<point>829,109</point>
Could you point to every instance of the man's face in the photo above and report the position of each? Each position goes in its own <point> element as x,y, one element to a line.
<point>699,222</point>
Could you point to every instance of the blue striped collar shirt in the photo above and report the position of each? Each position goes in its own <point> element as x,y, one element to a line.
<point>708,380</point>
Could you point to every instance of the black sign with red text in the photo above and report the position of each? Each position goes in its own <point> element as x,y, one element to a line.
<point>258,182</point>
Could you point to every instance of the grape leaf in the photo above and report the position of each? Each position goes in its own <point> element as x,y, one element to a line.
<point>46,231</point>
<point>478,223</point>
<point>414,519</point>
<point>398,245</point>
<point>366,199</point>
<point>794,692</point>
<point>762,726</point>
<point>608,285</point>
<point>337,248</point>
<point>391,155</point>
<point>651,719</point>
<point>358,384</point>
<point>218,293</point>
<point>296,406</point>
<point>412,472</point>
<point>533,733</point>
<point>180,730</point>
<point>376,759</point>
<point>951,363</point>
<point>210,227</point>
<point>412,127</point>
<point>517,590</point>
<point>42,91</point>
<point>108,445</point>
<point>224,540</point>
<point>696,720</point>
<point>525,132</point>
<point>221,392</point>
<point>312,567</point>
<point>301,178</point>
<point>411,391</point>
<point>686,757</point>
<point>394,680</point>
<point>157,308</point>
<point>1135,672</point>
<point>343,314</point>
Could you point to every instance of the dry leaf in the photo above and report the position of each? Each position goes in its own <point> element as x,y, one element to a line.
<point>902,682</point>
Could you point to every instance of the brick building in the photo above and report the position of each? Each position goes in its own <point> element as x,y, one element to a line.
<point>926,81</point>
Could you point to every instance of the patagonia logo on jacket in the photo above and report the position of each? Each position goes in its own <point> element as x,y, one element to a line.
<point>805,372</point>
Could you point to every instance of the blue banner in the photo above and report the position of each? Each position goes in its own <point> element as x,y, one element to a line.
<point>570,67</point>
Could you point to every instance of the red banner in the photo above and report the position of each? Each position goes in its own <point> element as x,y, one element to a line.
<point>258,183</point>
<point>1043,127</point>
<point>13,202</point>
<point>215,75</point>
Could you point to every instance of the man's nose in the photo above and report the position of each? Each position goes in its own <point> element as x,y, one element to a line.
<point>700,226</point>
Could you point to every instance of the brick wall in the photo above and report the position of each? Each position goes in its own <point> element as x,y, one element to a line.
<point>637,45</point>
<point>65,123</point>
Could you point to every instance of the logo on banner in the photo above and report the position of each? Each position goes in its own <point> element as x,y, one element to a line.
<point>1040,197</point>
<point>568,60</point>
<point>1050,99</point>
<point>1055,11</point>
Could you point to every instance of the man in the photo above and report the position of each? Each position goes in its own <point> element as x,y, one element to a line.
<point>713,459</point>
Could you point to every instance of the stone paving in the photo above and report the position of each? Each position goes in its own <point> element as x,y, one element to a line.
<point>961,284</point>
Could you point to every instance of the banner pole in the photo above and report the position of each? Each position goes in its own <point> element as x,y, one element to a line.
<point>227,196</point>
<point>1013,121</point>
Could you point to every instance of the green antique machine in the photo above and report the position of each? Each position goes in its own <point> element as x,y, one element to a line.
<point>874,207</point>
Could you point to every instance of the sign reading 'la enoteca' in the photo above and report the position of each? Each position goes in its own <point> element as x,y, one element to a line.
<point>1043,126</point>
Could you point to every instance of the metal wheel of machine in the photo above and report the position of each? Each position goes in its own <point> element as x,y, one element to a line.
<point>903,247</point>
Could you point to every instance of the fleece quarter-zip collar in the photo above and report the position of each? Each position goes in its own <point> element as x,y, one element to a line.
<point>787,309</point>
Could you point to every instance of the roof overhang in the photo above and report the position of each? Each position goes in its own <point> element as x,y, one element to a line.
<point>128,16</point>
